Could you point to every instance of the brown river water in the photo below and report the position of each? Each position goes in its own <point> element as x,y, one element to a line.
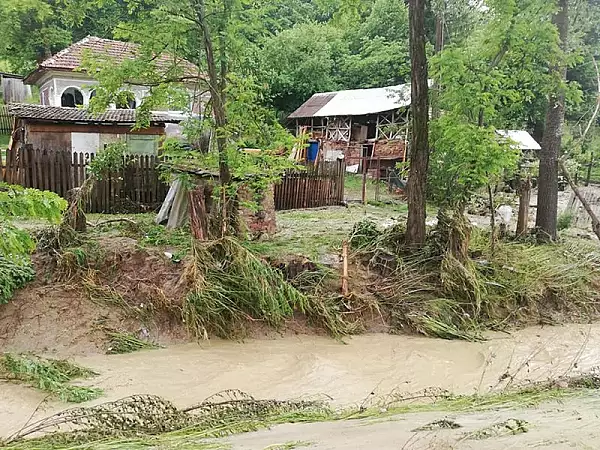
<point>298,367</point>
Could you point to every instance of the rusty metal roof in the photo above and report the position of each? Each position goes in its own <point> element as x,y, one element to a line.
<point>356,102</point>
<point>62,114</point>
<point>71,58</point>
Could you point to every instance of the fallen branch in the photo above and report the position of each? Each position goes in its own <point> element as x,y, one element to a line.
<point>584,202</point>
<point>123,219</point>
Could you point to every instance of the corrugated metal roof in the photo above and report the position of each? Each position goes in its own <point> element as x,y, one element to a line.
<point>522,138</point>
<point>312,106</point>
<point>62,114</point>
<point>356,102</point>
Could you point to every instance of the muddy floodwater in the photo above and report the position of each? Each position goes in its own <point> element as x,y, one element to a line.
<point>349,373</point>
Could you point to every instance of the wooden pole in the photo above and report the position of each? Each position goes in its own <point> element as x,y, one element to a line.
<point>524,200</point>
<point>345,289</point>
<point>364,181</point>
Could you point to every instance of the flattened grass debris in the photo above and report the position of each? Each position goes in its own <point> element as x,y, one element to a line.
<point>120,343</point>
<point>504,428</point>
<point>48,375</point>
<point>443,424</point>
<point>133,421</point>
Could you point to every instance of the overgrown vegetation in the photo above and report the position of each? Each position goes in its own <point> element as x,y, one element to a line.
<point>231,286</point>
<point>15,272</point>
<point>16,244</point>
<point>48,375</point>
<point>433,294</point>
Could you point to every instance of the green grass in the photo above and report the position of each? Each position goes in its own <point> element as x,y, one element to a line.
<point>317,232</point>
<point>48,375</point>
<point>120,343</point>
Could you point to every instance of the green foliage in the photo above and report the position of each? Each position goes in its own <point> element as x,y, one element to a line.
<point>36,29</point>
<point>565,220</point>
<point>15,243</point>
<point>366,45</point>
<point>466,158</point>
<point>230,285</point>
<point>48,375</point>
<point>110,159</point>
<point>18,202</point>
<point>15,272</point>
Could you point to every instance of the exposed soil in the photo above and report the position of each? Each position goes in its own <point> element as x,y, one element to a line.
<point>58,313</point>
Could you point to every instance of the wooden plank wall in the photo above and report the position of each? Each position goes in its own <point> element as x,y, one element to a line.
<point>6,120</point>
<point>317,186</point>
<point>136,188</point>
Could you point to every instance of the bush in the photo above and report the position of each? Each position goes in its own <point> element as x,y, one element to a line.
<point>15,272</point>
<point>565,220</point>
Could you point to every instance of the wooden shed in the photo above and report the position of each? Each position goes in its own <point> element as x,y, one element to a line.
<point>77,130</point>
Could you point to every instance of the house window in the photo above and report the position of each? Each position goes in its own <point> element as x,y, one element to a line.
<point>126,101</point>
<point>71,98</point>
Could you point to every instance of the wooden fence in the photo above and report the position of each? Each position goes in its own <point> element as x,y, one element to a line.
<point>320,185</point>
<point>136,188</point>
<point>6,120</point>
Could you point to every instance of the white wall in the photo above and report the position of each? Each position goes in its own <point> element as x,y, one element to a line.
<point>54,86</point>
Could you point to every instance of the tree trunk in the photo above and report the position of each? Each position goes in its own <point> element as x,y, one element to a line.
<point>419,156</point>
<point>547,206</point>
<point>217,85</point>
<point>439,46</point>
<point>524,200</point>
<point>588,176</point>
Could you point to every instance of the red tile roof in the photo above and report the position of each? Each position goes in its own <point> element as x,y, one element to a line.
<point>62,114</point>
<point>70,58</point>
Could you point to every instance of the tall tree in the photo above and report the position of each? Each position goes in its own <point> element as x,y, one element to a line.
<point>547,206</point>
<point>419,156</point>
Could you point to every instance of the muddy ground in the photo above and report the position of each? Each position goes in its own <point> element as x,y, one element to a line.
<point>361,371</point>
<point>571,424</point>
<point>57,319</point>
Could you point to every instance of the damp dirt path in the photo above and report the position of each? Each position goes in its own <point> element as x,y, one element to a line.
<point>350,373</point>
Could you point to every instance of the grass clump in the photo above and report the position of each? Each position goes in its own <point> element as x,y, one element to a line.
<point>120,343</point>
<point>48,375</point>
<point>230,285</point>
<point>565,220</point>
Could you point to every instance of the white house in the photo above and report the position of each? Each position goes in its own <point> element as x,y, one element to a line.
<point>62,122</point>
<point>62,82</point>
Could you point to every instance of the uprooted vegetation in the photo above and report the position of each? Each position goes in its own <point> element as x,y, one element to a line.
<point>517,283</point>
<point>144,421</point>
<point>48,375</point>
<point>159,282</point>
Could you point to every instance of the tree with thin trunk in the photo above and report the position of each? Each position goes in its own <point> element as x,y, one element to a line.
<point>419,155</point>
<point>547,205</point>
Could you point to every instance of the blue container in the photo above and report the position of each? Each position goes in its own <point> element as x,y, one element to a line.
<point>313,151</point>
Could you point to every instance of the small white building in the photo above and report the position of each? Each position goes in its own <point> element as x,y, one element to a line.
<point>62,83</point>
